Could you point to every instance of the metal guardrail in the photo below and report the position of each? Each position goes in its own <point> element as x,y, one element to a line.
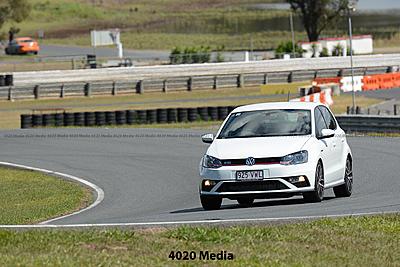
<point>188,83</point>
<point>368,123</point>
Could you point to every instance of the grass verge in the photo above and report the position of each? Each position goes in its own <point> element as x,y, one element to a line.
<point>28,197</point>
<point>10,111</point>
<point>354,241</point>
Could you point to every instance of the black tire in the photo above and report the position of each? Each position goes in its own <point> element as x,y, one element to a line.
<point>26,121</point>
<point>37,120</point>
<point>211,202</point>
<point>68,119</point>
<point>245,201</point>
<point>222,113</point>
<point>59,119</point>
<point>346,189</point>
<point>120,117</point>
<point>203,113</point>
<point>318,194</point>
<point>213,113</point>
<point>131,116</point>
<point>110,118</point>
<point>182,114</point>
<point>151,116</point>
<point>48,120</point>
<point>192,114</point>
<point>90,119</point>
<point>100,118</point>
<point>162,115</point>
<point>172,115</point>
<point>79,119</point>
<point>141,116</point>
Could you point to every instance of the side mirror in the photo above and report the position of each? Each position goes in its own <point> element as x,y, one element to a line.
<point>207,138</point>
<point>327,133</point>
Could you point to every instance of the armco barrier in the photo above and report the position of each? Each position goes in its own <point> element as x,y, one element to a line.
<point>368,123</point>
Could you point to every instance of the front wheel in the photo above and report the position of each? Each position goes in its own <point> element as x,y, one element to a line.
<point>345,189</point>
<point>318,194</point>
<point>211,202</point>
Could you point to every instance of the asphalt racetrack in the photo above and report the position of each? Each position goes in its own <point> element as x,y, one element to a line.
<point>151,175</point>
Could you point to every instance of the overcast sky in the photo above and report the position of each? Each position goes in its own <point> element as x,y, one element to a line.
<point>378,4</point>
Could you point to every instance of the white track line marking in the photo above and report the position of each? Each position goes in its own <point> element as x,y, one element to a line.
<point>97,189</point>
<point>209,222</point>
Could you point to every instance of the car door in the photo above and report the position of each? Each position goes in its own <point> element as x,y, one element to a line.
<point>325,146</point>
<point>338,143</point>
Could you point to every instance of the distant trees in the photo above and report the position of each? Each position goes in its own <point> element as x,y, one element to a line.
<point>317,15</point>
<point>15,11</point>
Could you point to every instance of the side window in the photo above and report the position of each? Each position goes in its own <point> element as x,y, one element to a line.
<point>319,122</point>
<point>330,121</point>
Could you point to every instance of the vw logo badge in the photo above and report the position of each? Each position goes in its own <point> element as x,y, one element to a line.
<point>250,161</point>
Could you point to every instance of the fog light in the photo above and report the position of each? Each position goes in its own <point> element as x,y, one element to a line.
<point>302,179</point>
<point>207,183</point>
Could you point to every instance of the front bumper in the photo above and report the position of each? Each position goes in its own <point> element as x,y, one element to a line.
<point>279,180</point>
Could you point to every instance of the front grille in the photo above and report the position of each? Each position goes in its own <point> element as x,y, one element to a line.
<point>236,162</point>
<point>251,186</point>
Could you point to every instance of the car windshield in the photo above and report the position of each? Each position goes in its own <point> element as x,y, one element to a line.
<point>261,123</point>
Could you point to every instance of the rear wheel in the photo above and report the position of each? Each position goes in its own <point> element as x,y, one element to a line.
<point>346,189</point>
<point>245,201</point>
<point>211,202</point>
<point>318,194</point>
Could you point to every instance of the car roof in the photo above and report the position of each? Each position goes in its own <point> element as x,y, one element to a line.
<point>23,38</point>
<point>278,105</point>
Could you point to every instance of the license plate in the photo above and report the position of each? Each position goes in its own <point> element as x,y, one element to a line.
<point>249,175</point>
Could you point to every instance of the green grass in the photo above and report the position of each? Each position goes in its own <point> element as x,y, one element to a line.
<point>28,197</point>
<point>355,241</point>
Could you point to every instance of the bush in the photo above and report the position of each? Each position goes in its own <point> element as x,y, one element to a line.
<point>190,55</point>
<point>287,48</point>
<point>324,52</point>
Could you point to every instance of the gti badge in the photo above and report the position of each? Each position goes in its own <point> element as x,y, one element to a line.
<point>250,161</point>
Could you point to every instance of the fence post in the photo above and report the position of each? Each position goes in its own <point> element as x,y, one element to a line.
<point>290,77</point>
<point>114,88</point>
<point>165,86</point>
<point>10,93</point>
<point>140,87</point>
<point>340,73</point>
<point>315,74</point>
<point>87,90</point>
<point>240,81</point>
<point>73,63</point>
<point>62,91</point>
<point>36,91</point>
<point>395,109</point>
<point>215,84</point>
<point>265,81</point>
<point>190,84</point>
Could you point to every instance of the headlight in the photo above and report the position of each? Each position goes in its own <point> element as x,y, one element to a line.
<point>211,162</point>
<point>295,158</point>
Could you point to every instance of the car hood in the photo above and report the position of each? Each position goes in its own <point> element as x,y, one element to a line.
<point>257,147</point>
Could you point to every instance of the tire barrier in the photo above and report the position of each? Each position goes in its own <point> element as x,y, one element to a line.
<point>172,115</point>
<point>110,118</point>
<point>123,117</point>
<point>90,119</point>
<point>79,119</point>
<point>182,114</point>
<point>213,113</point>
<point>59,119</point>
<point>192,114</point>
<point>120,117</point>
<point>68,119</point>
<point>203,112</point>
<point>162,115</point>
<point>222,113</point>
<point>151,116</point>
<point>26,121</point>
<point>141,116</point>
<point>37,120</point>
<point>131,116</point>
<point>100,117</point>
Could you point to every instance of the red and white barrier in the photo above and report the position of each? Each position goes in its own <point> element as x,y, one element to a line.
<point>324,97</point>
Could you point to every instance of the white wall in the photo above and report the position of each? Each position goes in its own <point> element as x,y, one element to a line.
<point>362,45</point>
<point>307,47</point>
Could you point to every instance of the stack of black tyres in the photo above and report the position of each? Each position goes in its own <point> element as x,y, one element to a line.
<point>100,118</point>
<point>90,119</point>
<point>59,119</point>
<point>79,119</point>
<point>26,121</point>
<point>37,120</point>
<point>213,113</point>
<point>182,114</point>
<point>192,114</point>
<point>110,118</point>
<point>131,116</point>
<point>162,115</point>
<point>230,109</point>
<point>222,113</point>
<point>141,116</point>
<point>203,112</point>
<point>151,116</point>
<point>48,120</point>
<point>120,117</point>
<point>172,115</point>
<point>68,119</point>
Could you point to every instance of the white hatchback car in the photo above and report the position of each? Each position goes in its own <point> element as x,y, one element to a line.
<point>276,150</point>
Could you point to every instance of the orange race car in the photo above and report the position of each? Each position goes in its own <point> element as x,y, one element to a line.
<point>23,45</point>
